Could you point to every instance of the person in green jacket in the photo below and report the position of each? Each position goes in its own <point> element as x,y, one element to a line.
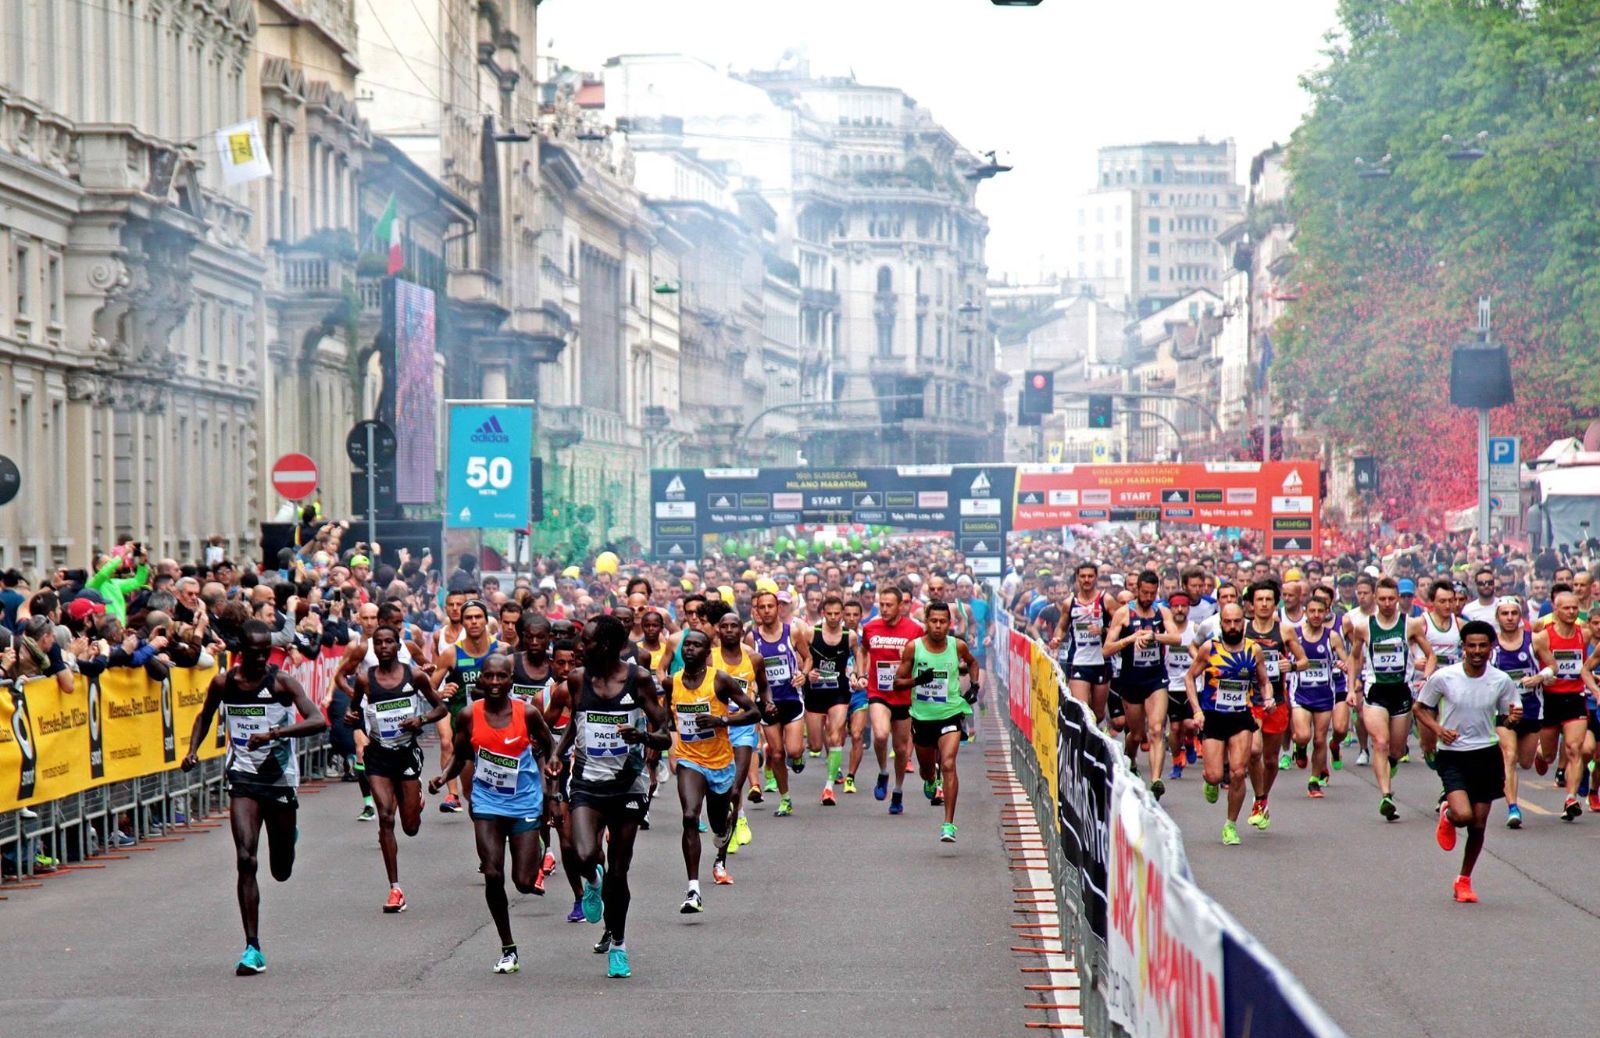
<point>114,589</point>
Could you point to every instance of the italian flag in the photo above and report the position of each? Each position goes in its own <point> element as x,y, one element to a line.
<point>388,233</point>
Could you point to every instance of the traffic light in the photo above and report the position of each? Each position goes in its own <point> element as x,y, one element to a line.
<point>1100,411</point>
<point>1038,392</point>
<point>1024,416</point>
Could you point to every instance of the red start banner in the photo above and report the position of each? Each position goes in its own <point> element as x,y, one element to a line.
<point>1279,498</point>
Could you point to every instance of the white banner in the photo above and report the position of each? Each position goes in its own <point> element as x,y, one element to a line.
<point>241,154</point>
<point>1163,942</point>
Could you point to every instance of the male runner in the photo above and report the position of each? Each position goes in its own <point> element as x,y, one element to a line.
<point>1339,727</point>
<point>930,670</point>
<point>883,640</point>
<point>828,688</point>
<point>1138,634</point>
<point>785,656</point>
<point>859,683</point>
<point>1443,629</point>
<point>1082,627</point>
<point>1561,649</point>
<point>1380,645</point>
<point>698,700</point>
<point>616,714</point>
<point>733,657</point>
<point>358,658</point>
<point>1458,706</point>
<point>533,680</point>
<point>1519,740</point>
<point>392,702</point>
<point>458,664</point>
<point>1366,590</point>
<point>1181,720</point>
<point>1314,693</point>
<point>1277,641</point>
<point>1235,674</point>
<point>505,738</point>
<point>1483,607</point>
<point>259,703</point>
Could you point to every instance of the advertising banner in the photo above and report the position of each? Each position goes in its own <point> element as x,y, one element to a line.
<point>1164,942</point>
<point>134,712</point>
<point>1085,762</point>
<point>1262,997</point>
<point>1279,498</point>
<point>1019,681</point>
<point>491,453</point>
<point>44,751</point>
<point>1045,692</point>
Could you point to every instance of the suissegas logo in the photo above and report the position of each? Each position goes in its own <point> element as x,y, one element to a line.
<point>489,432</point>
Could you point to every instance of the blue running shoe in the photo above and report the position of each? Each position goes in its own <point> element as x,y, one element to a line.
<point>250,963</point>
<point>1177,772</point>
<point>1189,754</point>
<point>896,806</point>
<point>617,964</point>
<point>880,789</point>
<point>594,906</point>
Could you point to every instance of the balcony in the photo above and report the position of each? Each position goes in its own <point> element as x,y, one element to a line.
<point>888,364</point>
<point>545,328</point>
<point>309,274</point>
<point>587,425</point>
<point>819,299</point>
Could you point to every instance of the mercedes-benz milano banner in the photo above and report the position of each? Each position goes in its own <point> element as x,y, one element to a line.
<point>972,503</point>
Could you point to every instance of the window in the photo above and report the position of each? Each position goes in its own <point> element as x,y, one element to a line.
<point>1152,274</point>
<point>885,280</point>
<point>22,274</point>
<point>1153,249</point>
<point>1155,176</point>
<point>1154,197</point>
<point>1153,225</point>
<point>53,288</point>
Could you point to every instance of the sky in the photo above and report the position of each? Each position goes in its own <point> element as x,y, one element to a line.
<point>1046,85</point>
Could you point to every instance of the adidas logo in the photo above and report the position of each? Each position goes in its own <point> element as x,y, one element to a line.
<point>489,432</point>
<point>1292,482</point>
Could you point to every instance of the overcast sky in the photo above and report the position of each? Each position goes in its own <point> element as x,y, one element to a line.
<point>1048,84</point>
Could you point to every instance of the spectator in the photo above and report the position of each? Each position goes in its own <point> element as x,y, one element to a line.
<point>38,655</point>
<point>13,592</point>
<point>114,589</point>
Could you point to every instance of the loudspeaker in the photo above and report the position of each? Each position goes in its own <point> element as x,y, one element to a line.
<point>1480,377</point>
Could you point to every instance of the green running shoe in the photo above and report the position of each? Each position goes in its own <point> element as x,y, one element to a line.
<point>785,808</point>
<point>617,964</point>
<point>929,789</point>
<point>594,905</point>
<point>771,785</point>
<point>1211,792</point>
<point>1230,834</point>
<point>250,963</point>
<point>947,832</point>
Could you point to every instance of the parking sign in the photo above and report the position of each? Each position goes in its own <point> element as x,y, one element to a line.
<point>491,451</point>
<point>1503,450</point>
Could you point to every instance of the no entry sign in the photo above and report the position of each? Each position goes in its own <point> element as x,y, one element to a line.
<point>294,476</point>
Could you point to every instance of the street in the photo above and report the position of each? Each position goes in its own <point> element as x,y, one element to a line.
<point>841,921</point>
<point>1360,909</point>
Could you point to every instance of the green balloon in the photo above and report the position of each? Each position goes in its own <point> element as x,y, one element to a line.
<point>744,551</point>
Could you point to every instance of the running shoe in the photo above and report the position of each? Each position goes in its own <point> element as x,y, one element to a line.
<point>880,789</point>
<point>450,805</point>
<point>1431,760</point>
<point>1211,792</point>
<point>1322,779</point>
<point>1189,753</point>
<point>1176,773</point>
<point>785,807</point>
<point>938,793</point>
<point>849,783</point>
<point>1258,813</point>
<point>368,814</point>
<point>1445,833</point>
<point>1230,834</point>
<point>1363,759</point>
<point>814,754</point>
<point>1571,812</point>
<point>741,833</point>
<point>1314,790</point>
<point>1301,759</point>
<point>896,804</point>
<point>1561,776</point>
<point>720,875</point>
<point>692,904</point>
<point>250,963</point>
<point>1405,758</point>
<point>617,964</point>
<point>1333,751</point>
<point>1284,760</point>
<point>1157,788</point>
<point>1594,802</point>
<point>947,832</point>
<point>44,863</point>
<point>644,823</point>
<point>576,915</point>
<point>1266,819</point>
<point>121,839</point>
<point>593,901</point>
<point>396,902</point>
<point>1540,765</point>
<point>1463,891</point>
<point>755,796</point>
<point>828,799</point>
<point>1513,816</point>
<point>1386,807</point>
<point>797,764</point>
<point>508,963</point>
<point>929,789</point>
<point>538,882</point>
<point>772,783</point>
<point>549,864</point>
<point>603,945</point>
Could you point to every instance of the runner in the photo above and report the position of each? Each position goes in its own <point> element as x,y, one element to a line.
<point>883,640</point>
<point>701,718</point>
<point>392,702</point>
<point>1138,634</point>
<point>259,703</point>
<point>1458,705</point>
<point>618,714</point>
<point>859,714</point>
<point>786,656</point>
<point>1519,740</point>
<point>930,670</point>
<point>459,664</point>
<point>1379,645</point>
<point>731,657</point>
<point>1443,629</point>
<point>359,658</point>
<point>1339,728</point>
<point>506,738</point>
<point>532,680</point>
<point>1183,724</point>
<point>1235,674</point>
<point>1561,649</point>
<point>1082,627</point>
<point>1366,589</point>
<point>1314,693</point>
<point>828,689</point>
<point>1276,639</point>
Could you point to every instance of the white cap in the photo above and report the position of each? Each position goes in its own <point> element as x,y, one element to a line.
<point>867,567</point>
<point>547,584</point>
<point>1371,571</point>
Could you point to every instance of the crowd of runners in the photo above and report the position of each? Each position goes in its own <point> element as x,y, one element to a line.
<point>569,705</point>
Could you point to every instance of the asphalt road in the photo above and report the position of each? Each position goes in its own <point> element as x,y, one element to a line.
<point>841,921</point>
<point>1361,909</point>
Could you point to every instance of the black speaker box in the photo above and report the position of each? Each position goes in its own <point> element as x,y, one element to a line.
<point>1480,377</point>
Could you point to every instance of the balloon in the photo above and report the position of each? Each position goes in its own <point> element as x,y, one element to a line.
<point>606,562</point>
<point>855,542</point>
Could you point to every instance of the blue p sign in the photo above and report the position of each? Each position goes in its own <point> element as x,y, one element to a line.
<point>1502,450</point>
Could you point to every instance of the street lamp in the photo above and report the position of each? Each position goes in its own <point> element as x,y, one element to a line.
<point>1467,151</point>
<point>1373,170</point>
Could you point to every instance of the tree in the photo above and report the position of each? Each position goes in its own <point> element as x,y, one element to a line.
<point>1391,266</point>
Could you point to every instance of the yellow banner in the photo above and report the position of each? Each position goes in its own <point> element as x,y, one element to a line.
<point>118,727</point>
<point>1046,698</point>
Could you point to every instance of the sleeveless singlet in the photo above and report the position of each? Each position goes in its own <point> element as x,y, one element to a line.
<point>1180,658</point>
<point>1086,621</point>
<point>1517,664</point>
<point>778,657</point>
<point>1230,677</point>
<point>247,713</point>
<point>1143,668</point>
<point>1320,664</point>
<point>464,672</point>
<point>1446,644</point>
<point>743,674</point>
<point>602,764</point>
<point>939,699</point>
<point>1387,658</point>
<point>707,747</point>
<point>537,691</point>
<point>506,779</point>
<point>384,708</point>
<point>1270,645</point>
<point>831,662</point>
<point>1569,653</point>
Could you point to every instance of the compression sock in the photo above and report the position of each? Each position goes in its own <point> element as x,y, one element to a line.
<point>835,755</point>
<point>361,780</point>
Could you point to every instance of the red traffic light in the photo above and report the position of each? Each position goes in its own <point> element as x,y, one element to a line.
<point>1039,380</point>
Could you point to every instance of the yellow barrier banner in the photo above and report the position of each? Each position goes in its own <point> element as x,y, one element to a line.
<point>188,696</point>
<point>47,753</point>
<point>1046,696</point>
<point>132,711</point>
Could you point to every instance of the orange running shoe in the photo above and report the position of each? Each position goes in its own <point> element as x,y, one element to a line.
<point>396,902</point>
<point>720,876</point>
<point>1464,892</point>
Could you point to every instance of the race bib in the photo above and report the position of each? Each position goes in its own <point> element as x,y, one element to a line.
<point>497,771</point>
<point>886,673</point>
<point>827,674</point>
<point>1317,672</point>
<point>1271,656</point>
<point>1569,663</point>
<point>1516,675</point>
<point>935,691</point>
<point>1448,655</point>
<point>777,669</point>
<point>600,738</point>
<point>243,722</point>
<point>1233,693</point>
<point>688,728</point>
<point>1148,656</point>
<point>1179,660</point>
<point>1085,630</point>
<point>390,713</point>
<point>1388,656</point>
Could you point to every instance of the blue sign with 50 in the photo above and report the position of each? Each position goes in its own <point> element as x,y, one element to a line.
<point>490,453</point>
